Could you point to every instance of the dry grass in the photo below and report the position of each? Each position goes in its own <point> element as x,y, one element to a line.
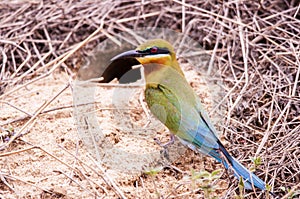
<point>254,44</point>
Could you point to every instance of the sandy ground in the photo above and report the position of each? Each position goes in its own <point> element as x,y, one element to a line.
<point>100,150</point>
<point>51,160</point>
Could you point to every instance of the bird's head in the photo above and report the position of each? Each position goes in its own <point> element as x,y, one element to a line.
<point>156,51</point>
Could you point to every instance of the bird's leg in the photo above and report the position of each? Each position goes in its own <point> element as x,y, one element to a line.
<point>165,145</point>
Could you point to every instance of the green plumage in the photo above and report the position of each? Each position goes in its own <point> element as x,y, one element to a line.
<point>172,101</point>
<point>164,109</point>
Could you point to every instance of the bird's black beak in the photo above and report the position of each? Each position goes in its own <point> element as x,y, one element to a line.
<point>121,68</point>
<point>129,54</point>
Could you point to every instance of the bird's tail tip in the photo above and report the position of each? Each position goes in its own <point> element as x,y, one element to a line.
<point>250,179</point>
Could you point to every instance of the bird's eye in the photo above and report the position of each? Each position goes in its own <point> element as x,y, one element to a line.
<point>154,49</point>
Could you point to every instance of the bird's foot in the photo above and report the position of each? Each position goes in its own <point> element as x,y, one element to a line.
<point>165,145</point>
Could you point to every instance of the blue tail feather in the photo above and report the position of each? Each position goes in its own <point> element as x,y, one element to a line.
<point>248,177</point>
<point>215,154</point>
<point>239,170</point>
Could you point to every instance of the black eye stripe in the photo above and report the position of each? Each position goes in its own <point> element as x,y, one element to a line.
<point>163,51</point>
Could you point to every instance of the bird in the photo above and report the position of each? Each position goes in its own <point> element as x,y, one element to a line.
<point>173,101</point>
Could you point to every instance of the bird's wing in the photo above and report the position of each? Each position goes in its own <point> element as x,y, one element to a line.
<point>163,107</point>
<point>203,114</point>
<point>181,117</point>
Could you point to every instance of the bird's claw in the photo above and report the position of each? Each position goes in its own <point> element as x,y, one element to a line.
<point>165,145</point>
<point>165,152</point>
